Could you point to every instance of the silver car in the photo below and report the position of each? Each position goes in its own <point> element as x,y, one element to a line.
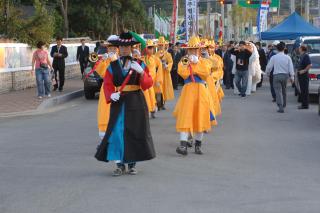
<point>314,74</point>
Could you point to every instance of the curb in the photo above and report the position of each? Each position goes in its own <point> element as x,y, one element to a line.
<point>46,104</point>
<point>60,100</point>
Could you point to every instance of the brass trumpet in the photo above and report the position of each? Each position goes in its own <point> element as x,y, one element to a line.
<point>93,57</point>
<point>185,60</point>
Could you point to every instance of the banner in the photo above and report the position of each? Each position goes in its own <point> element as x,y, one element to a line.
<point>221,32</point>
<point>262,18</point>
<point>174,19</point>
<point>161,26</point>
<point>191,17</point>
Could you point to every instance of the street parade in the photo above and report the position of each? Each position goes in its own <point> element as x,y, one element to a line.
<point>160,106</point>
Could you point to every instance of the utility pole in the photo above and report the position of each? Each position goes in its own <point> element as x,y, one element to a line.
<point>292,6</point>
<point>230,24</point>
<point>307,10</point>
<point>208,30</point>
<point>222,18</point>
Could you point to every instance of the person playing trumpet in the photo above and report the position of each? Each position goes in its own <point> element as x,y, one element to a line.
<point>218,68</point>
<point>194,111</point>
<point>155,69</point>
<point>103,111</point>
<point>166,92</point>
<point>213,78</point>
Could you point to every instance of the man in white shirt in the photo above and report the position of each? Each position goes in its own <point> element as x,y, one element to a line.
<point>283,69</point>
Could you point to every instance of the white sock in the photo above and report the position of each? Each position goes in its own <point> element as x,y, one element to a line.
<point>198,136</point>
<point>184,136</point>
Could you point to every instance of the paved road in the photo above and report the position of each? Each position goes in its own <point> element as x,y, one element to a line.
<point>256,161</point>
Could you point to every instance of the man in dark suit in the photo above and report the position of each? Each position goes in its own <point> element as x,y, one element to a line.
<point>263,61</point>
<point>59,52</point>
<point>83,56</point>
<point>176,56</point>
<point>219,51</point>
<point>227,68</point>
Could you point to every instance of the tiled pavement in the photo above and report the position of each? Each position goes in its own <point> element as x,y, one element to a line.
<point>26,100</point>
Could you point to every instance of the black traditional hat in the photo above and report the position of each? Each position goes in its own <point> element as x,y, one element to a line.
<point>125,39</point>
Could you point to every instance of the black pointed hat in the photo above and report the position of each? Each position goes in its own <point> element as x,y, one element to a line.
<point>125,39</point>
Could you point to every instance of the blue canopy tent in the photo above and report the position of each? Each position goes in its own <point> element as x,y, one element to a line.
<point>291,28</point>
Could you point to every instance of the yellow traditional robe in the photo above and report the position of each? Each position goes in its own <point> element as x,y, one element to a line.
<point>103,111</point>
<point>167,88</point>
<point>211,82</point>
<point>194,106</point>
<point>219,75</point>
<point>154,66</point>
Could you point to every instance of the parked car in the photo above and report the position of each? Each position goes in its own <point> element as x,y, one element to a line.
<point>91,84</point>
<point>319,101</point>
<point>314,75</point>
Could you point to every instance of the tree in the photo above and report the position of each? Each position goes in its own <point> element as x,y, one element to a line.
<point>29,30</point>
<point>240,16</point>
<point>64,11</point>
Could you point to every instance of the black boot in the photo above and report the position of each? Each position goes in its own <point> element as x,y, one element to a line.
<point>190,141</point>
<point>182,149</point>
<point>197,148</point>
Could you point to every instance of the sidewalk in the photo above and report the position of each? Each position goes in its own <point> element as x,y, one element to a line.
<point>26,100</point>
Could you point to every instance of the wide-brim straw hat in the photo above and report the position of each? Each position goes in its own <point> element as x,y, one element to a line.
<point>193,43</point>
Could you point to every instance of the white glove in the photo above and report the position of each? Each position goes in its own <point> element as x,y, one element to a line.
<point>113,56</point>
<point>136,66</point>
<point>158,84</point>
<point>193,59</point>
<point>105,56</point>
<point>115,96</point>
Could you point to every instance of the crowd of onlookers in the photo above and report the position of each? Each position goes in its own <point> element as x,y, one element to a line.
<point>248,64</point>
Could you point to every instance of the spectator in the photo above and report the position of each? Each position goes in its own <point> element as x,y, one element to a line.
<point>272,51</point>
<point>83,56</point>
<point>303,77</point>
<point>263,61</point>
<point>242,54</point>
<point>102,49</point>
<point>40,65</point>
<point>174,72</point>
<point>182,52</point>
<point>97,46</point>
<point>254,69</point>
<point>218,51</point>
<point>282,67</point>
<point>59,52</point>
<point>227,67</point>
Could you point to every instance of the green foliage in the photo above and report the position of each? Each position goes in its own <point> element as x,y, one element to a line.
<point>29,30</point>
<point>96,19</point>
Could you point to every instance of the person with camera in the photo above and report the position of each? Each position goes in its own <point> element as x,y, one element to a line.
<point>41,65</point>
<point>242,53</point>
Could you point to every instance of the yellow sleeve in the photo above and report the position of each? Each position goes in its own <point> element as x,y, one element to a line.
<point>102,67</point>
<point>202,69</point>
<point>169,61</point>
<point>183,70</point>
